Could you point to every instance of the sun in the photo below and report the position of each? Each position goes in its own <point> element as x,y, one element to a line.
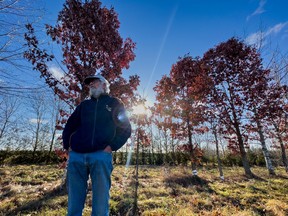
<point>139,109</point>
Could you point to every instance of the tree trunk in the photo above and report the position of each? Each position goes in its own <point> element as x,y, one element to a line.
<point>218,155</point>
<point>265,151</point>
<point>245,162</point>
<point>149,157</point>
<point>142,155</point>
<point>36,139</point>
<point>243,153</point>
<point>51,146</point>
<point>160,157</point>
<point>166,159</point>
<point>3,128</point>
<point>284,158</point>
<point>283,152</point>
<point>173,151</point>
<point>193,163</point>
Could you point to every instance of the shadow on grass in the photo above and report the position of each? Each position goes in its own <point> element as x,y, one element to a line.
<point>35,205</point>
<point>258,178</point>
<point>123,204</point>
<point>124,200</point>
<point>282,176</point>
<point>199,184</point>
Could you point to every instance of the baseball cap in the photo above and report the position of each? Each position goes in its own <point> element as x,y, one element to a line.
<point>90,78</point>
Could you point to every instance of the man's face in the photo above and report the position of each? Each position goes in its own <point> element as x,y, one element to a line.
<point>96,88</point>
<point>95,84</point>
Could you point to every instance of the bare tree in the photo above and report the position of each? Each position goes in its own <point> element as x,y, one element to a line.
<point>8,108</point>
<point>14,14</point>
<point>37,122</point>
<point>54,118</point>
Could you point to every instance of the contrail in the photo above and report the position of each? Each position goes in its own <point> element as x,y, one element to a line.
<point>150,78</point>
<point>162,44</point>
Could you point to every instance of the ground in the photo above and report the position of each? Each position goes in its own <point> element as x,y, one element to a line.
<point>163,190</point>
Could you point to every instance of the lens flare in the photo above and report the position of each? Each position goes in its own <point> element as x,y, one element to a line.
<point>139,109</point>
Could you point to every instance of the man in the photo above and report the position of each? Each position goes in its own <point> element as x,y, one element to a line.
<point>97,127</point>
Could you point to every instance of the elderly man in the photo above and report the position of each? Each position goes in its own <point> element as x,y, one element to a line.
<point>97,127</point>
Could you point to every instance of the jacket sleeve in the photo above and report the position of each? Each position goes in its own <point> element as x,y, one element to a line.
<point>123,126</point>
<point>71,126</point>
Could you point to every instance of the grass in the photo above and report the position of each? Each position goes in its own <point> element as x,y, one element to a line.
<point>163,191</point>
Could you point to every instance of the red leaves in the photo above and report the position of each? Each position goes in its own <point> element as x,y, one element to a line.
<point>201,130</point>
<point>90,40</point>
<point>197,153</point>
<point>180,102</point>
<point>89,37</point>
<point>143,137</point>
<point>240,84</point>
<point>63,155</point>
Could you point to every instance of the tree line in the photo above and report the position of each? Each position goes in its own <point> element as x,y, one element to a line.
<point>228,93</point>
<point>208,160</point>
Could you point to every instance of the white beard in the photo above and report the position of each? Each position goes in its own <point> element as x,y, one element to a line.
<point>96,92</point>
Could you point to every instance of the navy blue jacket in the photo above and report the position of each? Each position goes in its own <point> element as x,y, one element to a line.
<point>95,124</point>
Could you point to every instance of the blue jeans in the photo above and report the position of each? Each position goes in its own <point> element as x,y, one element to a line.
<point>99,166</point>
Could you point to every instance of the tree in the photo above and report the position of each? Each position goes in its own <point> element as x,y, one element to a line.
<point>12,66</point>
<point>8,109</point>
<point>276,115</point>
<point>38,124</point>
<point>141,119</point>
<point>191,85</point>
<point>256,96</point>
<point>282,136</point>
<point>88,34</point>
<point>215,128</point>
<point>273,110</point>
<point>260,130</point>
<point>55,116</point>
<point>262,99</point>
<point>164,114</point>
<point>162,118</point>
<point>187,86</point>
<point>238,77</point>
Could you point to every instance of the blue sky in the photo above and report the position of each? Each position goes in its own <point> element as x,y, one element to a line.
<point>166,29</point>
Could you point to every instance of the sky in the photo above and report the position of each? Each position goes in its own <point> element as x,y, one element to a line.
<point>167,29</point>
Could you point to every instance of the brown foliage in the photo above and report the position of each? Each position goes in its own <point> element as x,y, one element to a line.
<point>88,34</point>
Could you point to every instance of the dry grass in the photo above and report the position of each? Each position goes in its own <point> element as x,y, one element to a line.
<point>167,191</point>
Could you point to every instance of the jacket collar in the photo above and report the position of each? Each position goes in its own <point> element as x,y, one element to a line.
<point>102,96</point>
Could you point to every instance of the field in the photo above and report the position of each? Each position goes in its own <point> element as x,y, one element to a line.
<point>163,190</point>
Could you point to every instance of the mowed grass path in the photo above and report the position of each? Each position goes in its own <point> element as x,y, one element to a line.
<point>163,190</point>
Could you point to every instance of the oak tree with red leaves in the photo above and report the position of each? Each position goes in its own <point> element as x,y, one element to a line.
<point>187,87</point>
<point>143,140</point>
<point>164,116</point>
<point>240,83</point>
<point>216,130</point>
<point>167,128</point>
<point>267,109</point>
<point>90,41</point>
<point>257,96</point>
<point>275,112</point>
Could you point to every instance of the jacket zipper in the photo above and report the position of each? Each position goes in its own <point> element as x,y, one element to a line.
<point>94,123</point>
